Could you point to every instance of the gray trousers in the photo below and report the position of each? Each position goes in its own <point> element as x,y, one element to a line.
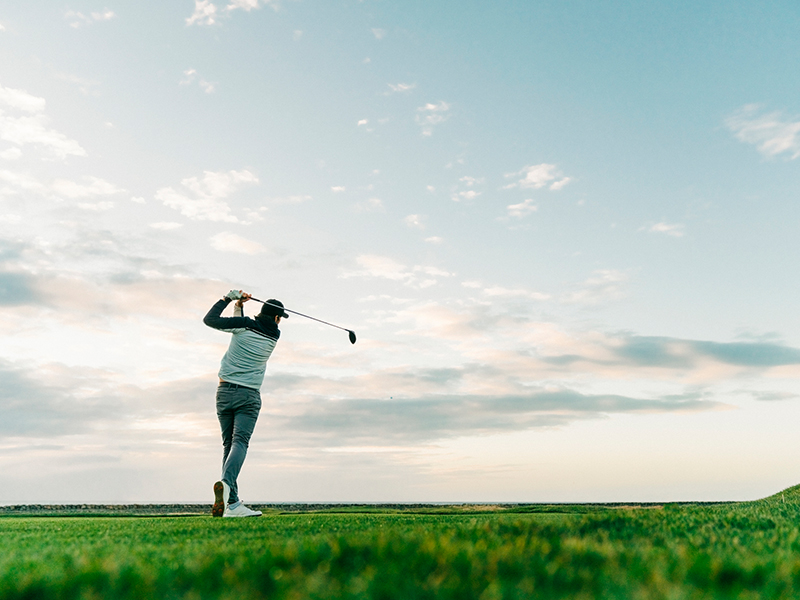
<point>237,411</point>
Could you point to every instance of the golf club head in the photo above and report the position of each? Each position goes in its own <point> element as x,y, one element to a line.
<point>352,335</point>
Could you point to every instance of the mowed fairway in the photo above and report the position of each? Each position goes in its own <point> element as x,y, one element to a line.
<point>745,550</point>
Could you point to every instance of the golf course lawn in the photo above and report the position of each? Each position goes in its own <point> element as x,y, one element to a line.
<point>736,550</point>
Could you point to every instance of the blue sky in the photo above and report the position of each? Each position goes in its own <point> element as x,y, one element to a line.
<point>565,233</point>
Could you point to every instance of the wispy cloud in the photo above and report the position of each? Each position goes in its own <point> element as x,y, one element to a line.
<point>435,417</point>
<point>503,292</point>
<point>230,242</point>
<point>207,13</point>
<point>601,286</point>
<point>208,194</point>
<point>673,229</point>
<point>538,176</point>
<point>415,221</point>
<point>383,267</point>
<point>400,87</point>
<point>466,188</point>
<point>31,128</point>
<point>21,100</point>
<point>91,186</point>
<point>166,225</point>
<point>522,209</point>
<point>11,154</point>
<point>772,133</point>
<point>431,115</point>
<point>190,75</point>
<point>378,33</point>
<point>78,19</point>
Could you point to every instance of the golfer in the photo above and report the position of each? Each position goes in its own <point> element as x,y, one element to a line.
<point>238,397</point>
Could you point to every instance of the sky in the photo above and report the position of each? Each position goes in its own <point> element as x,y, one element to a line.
<point>565,232</point>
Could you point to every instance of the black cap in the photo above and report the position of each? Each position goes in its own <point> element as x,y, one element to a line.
<point>273,308</point>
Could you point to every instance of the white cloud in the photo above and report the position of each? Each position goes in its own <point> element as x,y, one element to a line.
<point>77,18</point>
<point>11,154</point>
<point>383,267</point>
<point>297,34</point>
<point>230,242</point>
<point>379,33</point>
<point>432,114</point>
<point>673,229</point>
<point>538,176</point>
<point>22,181</point>
<point>96,206</point>
<point>401,87</point>
<point>415,221</point>
<point>32,128</point>
<point>106,15</point>
<point>93,186</point>
<point>209,193</point>
<point>501,292</point>
<point>21,100</point>
<point>166,225</point>
<point>2,28</point>
<point>522,209</point>
<point>434,240</point>
<point>772,134</point>
<point>205,13</point>
<point>246,5</point>
<point>189,77</point>
<point>467,195</point>
<point>470,181</point>
<point>138,200</point>
<point>602,285</point>
<point>560,183</point>
<point>430,188</point>
<point>337,188</point>
<point>362,122</point>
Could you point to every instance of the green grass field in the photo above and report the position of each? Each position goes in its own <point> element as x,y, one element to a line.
<point>738,550</point>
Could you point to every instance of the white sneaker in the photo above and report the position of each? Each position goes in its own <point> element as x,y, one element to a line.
<point>222,491</point>
<point>241,511</point>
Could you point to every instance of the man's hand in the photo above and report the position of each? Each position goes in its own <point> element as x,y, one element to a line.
<point>234,295</point>
<point>245,297</point>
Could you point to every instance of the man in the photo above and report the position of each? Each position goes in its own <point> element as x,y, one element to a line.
<point>238,395</point>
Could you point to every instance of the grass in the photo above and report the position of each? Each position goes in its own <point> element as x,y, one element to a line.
<point>737,550</point>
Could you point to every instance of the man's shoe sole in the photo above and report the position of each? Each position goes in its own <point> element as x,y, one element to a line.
<point>219,504</point>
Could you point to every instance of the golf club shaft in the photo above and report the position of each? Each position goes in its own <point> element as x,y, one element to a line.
<point>294,312</point>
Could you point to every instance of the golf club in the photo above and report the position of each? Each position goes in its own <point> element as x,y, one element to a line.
<point>351,333</point>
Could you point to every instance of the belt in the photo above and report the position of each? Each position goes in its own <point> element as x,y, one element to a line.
<point>234,385</point>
